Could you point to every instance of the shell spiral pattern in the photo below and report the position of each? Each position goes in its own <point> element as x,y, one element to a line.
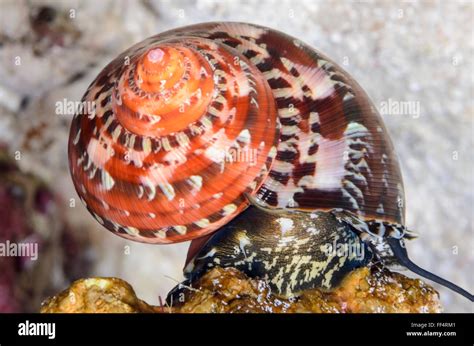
<point>188,122</point>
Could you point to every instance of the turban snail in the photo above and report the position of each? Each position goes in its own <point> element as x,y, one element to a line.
<point>257,147</point>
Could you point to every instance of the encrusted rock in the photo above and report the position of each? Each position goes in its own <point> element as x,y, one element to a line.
<point>97,295</point>
<point>229,290</point>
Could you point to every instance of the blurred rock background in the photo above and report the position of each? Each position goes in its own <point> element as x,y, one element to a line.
<point>412,51</point>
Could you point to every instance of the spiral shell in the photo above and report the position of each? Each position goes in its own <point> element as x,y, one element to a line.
<point>160,159</point>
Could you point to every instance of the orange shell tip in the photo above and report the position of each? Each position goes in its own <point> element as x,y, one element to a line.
<point>155,55</point>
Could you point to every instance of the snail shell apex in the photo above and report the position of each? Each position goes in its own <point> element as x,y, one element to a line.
<point>152,163</point>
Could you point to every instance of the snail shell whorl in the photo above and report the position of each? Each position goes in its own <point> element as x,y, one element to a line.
<point>152,163</point>
<point>156,162</point>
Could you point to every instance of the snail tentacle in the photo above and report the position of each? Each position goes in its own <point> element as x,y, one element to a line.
<point>401,254</point>
<point>387,242</point>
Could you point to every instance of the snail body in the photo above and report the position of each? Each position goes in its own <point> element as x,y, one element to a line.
<point>292,251</point>
<point>217,131</point>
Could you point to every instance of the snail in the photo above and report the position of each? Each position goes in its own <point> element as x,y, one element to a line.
<point>255,146</point>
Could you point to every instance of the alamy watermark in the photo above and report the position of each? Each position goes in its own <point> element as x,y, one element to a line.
<point>68,107</point>
<point>241,155</point>
<point>233,154</point>
<point>28,328</point>
<point>350,249</point>
<point>397,107</point>
<point>12,249</point>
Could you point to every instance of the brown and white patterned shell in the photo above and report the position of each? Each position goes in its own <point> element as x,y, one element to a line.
<point>143,165</point>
